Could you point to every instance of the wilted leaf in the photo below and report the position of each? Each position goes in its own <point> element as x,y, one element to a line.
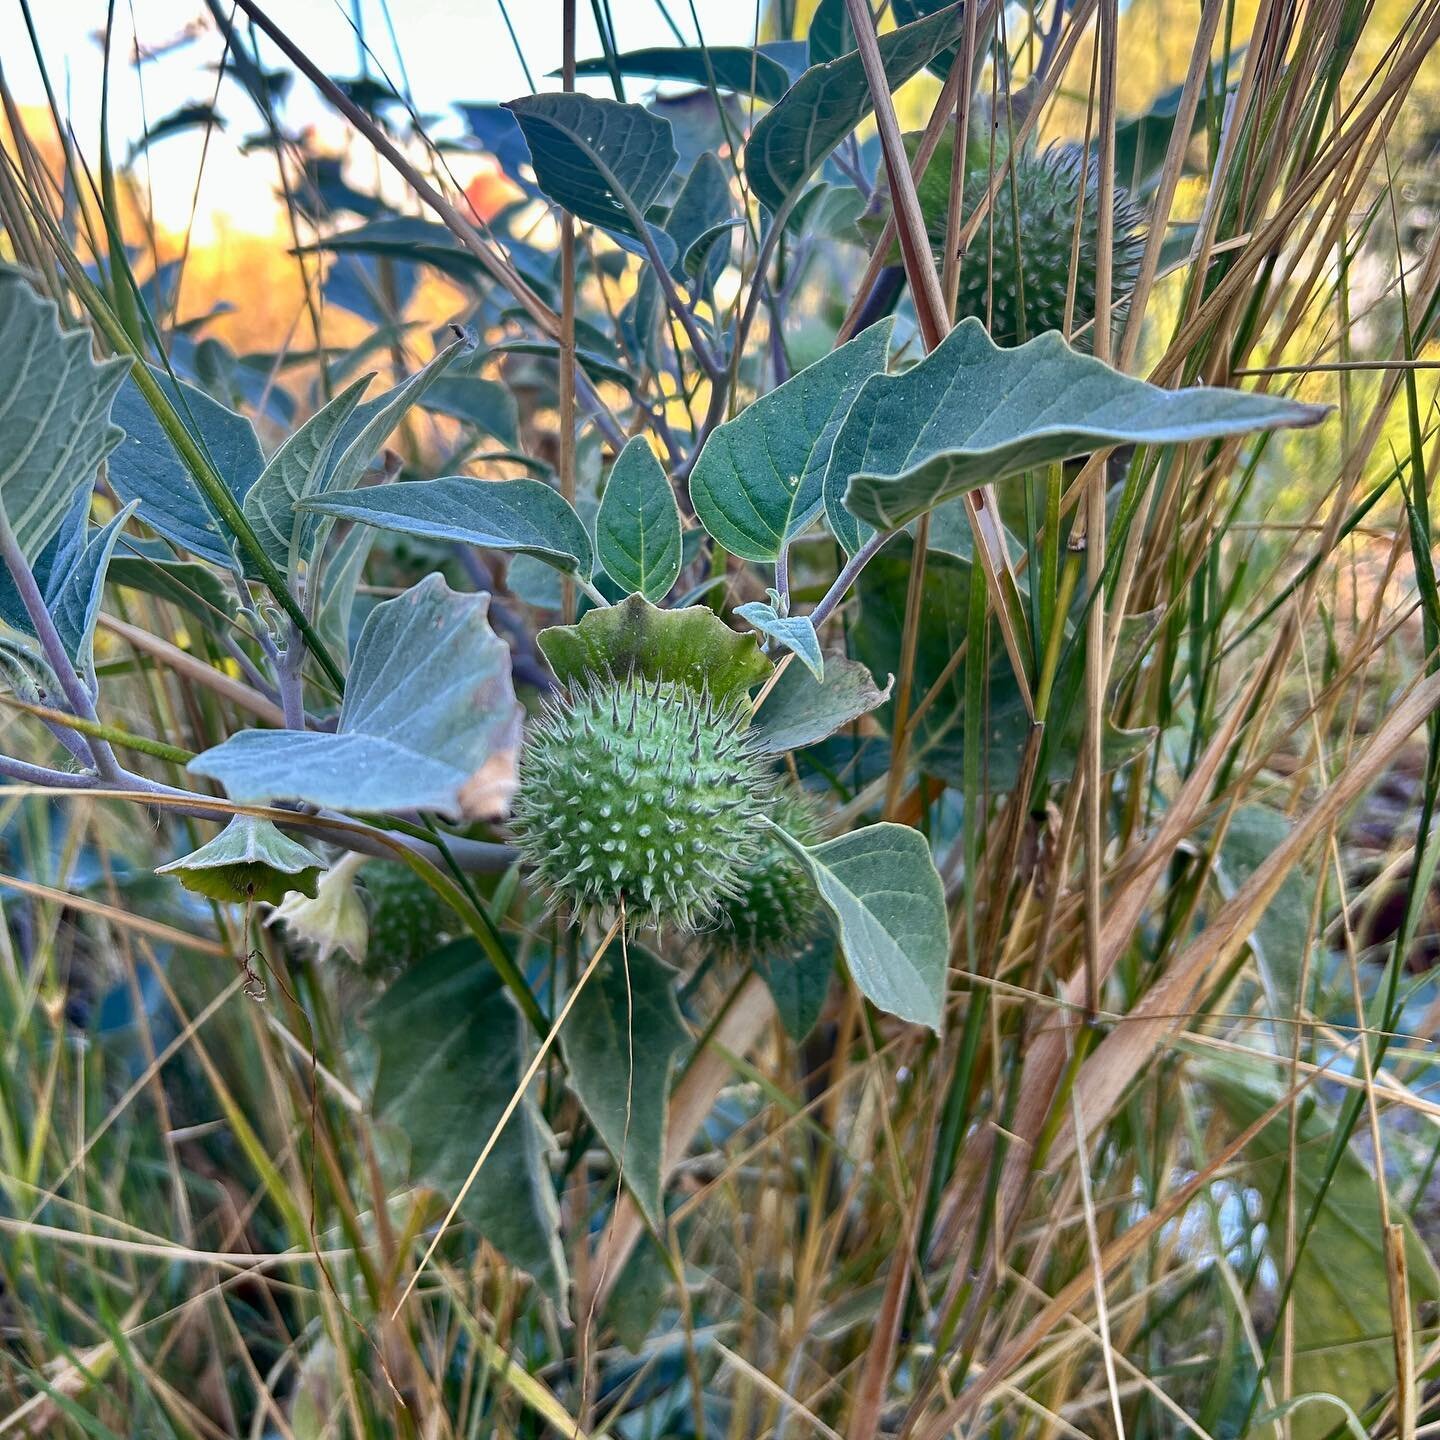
<point>333,918</point>
<point>428,701</point>
<point>248,860</point>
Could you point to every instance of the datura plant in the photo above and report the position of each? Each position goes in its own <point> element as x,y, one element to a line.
<point>603,665</point>
<point>649,786</point>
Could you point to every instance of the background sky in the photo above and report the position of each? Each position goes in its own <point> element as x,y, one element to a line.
<point>452,50</point>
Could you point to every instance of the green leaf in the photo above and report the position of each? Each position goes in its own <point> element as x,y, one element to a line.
<point>148,468</point>
<point>452,1053</point>
<point>795,632</point>
<point>884,892</point>
<point>828,101</point>
<point>635,1302</point>
<point>248,860</point>
<point>295,469</point>
<point>55,404</point>
<point>1341,1309</point>
<point>526,516</point>
<point>1142,141</point>
<point>74,604</point>
<point>799,983</point>
<point>758,481</point>
<point>619,1045</point>
<point>637,529</point>
<point>693,646</point>
<point>603,161</point>
<point>338,585</point>
<point>328,455</point>
<point>485,404</point>
<point>971,413</point>
<point>703,212</point>
<point>831,33</point>
<point>428,707</point>
<point>906,12</point>
<point>802,710</point>
<point>407,237</point>
<point>597,367</point>
<point>727,67</point>
<point>149,566</point>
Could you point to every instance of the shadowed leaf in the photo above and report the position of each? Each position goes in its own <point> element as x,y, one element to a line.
<point>452,1051</point>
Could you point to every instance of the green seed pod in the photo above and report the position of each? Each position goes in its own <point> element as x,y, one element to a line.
<point>644,791</point>
<point>1047,191</point>
<point>776,909</point>
<point>407,918</point>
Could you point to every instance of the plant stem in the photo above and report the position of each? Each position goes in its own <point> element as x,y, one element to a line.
<point>73,687</point>
<point>846,578</point>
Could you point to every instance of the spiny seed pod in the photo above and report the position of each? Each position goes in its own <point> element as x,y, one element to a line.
<point>644,791</point>
<point>776,909</point>
<point>407,918</point>
<point>1047,191</point>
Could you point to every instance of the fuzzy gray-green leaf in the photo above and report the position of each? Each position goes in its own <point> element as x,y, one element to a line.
<point>795,632</point>
<point>604,161</point>
<point>971,413</point>
<point>828,101</point>
<point>802,710</point>
<point>148,468</point>
<point>55,401</point>
<point>882,888</point>
<point>525,516</point>
<point>428,704</point>
<point>328,455</point>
